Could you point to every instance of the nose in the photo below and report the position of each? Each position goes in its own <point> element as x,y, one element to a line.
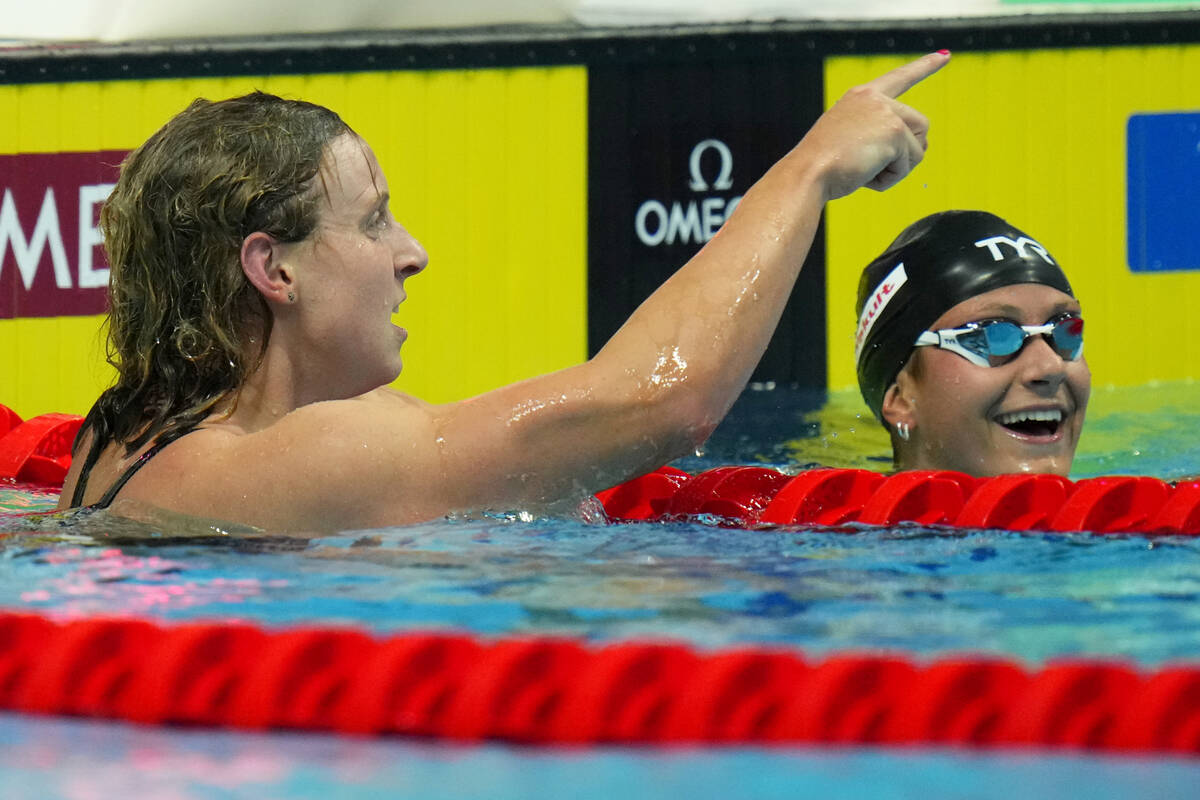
<point>410,257</point>
<point>1040,366</point>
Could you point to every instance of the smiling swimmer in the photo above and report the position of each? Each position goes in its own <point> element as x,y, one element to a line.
<point>969,348</point>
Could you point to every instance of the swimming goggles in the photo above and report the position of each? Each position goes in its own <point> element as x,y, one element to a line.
<point>997,341</point>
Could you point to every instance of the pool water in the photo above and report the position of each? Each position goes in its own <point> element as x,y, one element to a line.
<point>87,760</point>
<point>913,590</point>
<point>916,591</point>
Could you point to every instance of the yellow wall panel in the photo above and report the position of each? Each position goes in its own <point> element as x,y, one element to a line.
<point>1037,137</point>
<point>9,131</point>
<point>486,168</point>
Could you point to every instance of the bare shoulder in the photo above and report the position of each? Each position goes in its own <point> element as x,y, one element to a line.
<point>384,411</point>
<point>325,466</point>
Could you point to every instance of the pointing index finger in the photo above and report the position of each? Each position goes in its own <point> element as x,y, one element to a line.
<point>901,79</point>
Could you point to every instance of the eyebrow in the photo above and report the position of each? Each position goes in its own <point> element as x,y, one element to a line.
<point>380,204</point>
<point>1009,311</point>
<point>1004,309</point>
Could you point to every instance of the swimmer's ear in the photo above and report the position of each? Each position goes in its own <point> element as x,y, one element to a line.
<point>265,268</point>
<point>898,405</point>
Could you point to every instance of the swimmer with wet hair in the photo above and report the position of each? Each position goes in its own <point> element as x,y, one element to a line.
<point>255,268</point>
<point>969,348</point>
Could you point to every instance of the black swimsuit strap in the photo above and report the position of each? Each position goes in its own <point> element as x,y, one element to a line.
<point>111,494</point>
<point>81,482</point>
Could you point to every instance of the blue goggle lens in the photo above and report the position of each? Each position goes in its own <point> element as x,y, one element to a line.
<point>1067,338</point>
<point>997,340</point>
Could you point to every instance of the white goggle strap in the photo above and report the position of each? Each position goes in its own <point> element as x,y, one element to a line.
<point>948,340</point>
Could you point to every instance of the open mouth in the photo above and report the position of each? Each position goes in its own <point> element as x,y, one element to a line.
<point>1034,423</point>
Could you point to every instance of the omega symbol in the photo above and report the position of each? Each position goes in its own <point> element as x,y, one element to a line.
<point>724,181</point>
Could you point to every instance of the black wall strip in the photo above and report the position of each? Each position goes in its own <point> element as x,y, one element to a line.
<point>535,45</point>
<point>672,147</point>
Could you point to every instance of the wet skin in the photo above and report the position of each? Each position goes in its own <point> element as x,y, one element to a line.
<point>1022,416</point>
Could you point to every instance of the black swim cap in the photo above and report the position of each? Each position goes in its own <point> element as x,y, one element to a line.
<point>935,264</point>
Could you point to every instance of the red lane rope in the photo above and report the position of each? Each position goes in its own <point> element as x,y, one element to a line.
<point>758,496</point>
<point>547,690</point>
<point>36,451</point>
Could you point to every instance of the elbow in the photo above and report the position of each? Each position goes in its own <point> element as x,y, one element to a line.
<point>688,419</point>
<point>699,419</point>
<point>670,410</point>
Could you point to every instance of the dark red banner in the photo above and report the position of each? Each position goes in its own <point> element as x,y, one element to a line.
<point>52,262</point>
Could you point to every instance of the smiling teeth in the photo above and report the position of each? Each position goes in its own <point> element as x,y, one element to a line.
<point>1030,416</point>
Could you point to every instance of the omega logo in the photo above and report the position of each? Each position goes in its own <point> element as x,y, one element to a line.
<point>696,221</point>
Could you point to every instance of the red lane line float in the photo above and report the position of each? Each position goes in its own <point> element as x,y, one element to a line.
<point>846,700</point>
<point>734,697</point>
<point>822,497</point>
<point>959,701</point>
<point>745,496</point>
<point>1181,511</point>
<point>8,419</point>
<point>1112,505</point>
<point>643,498</point>
<point>736,493</point>
<point>624,695</point>
<point>198,665</point>
<point>401,686</point>
<point>1015,502</point>
<point>36,451</point>
<point>550,690</point>
<point>923,496</point>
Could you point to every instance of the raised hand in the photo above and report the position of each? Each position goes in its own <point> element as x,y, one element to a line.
<point>869,138</point>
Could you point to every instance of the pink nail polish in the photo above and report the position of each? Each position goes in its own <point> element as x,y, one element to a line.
<point>943,52</point>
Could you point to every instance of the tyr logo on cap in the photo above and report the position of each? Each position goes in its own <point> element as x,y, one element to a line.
<point>993,243</point>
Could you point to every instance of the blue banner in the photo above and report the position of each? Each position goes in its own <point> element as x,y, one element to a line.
<point>1163,192</point>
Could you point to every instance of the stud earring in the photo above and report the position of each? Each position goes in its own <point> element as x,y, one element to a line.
<point>291,297</point>
<point>903,430</point>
